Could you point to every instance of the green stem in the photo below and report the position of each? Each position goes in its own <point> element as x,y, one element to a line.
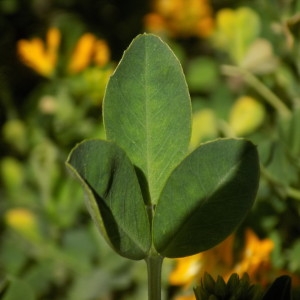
<point>288,191</point>
<point>267,94</point>
<point>154,266</point>
<point>225,129</point>
<point>293,193</point>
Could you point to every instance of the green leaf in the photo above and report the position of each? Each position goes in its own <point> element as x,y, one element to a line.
<point>236,30</point>
<point>19,289</point>
<point>280,289</point>
<point>114,197</point>
<point>289,130</point>
<point>202,74</point>
<point>206,197</point>
<point>147,110</point>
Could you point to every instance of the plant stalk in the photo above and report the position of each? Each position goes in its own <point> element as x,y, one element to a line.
<point>267,94</point>
<point>154,267</point>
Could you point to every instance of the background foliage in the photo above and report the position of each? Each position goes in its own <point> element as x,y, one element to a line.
<point>241,60</point>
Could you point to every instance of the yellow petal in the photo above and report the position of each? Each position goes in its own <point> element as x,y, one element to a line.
<point>102,53</point>
<point>82,53</point>
<point>33,54</point>
<point>53,38</point>
<point>52,45</point>
<point>186,270</point>
<point>256,254</point>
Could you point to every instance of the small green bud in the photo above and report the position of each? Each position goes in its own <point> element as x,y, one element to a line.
<point>12,173</point>
<point>209,283</point>
<point>220,287</point>
<point>14,133</point>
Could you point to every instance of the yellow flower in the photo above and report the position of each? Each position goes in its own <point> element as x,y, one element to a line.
<point>182,17</point>
<point>82,53</point>
<point>102,53</point>
<point>222,260</point>
<point>216,261</point>
<point>23,221</point>
<point>155,23</point>
<point>189,270</point>
<point>40,56</point>
<point>256,255</point>
<point>186,270</point>
<point>88,49</point>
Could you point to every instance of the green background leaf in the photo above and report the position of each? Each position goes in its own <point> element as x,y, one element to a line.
<point>236,30</point>
<point>114,197</point>
<point>19,289</point>
<point>206,197</point>
<point>147,110</point>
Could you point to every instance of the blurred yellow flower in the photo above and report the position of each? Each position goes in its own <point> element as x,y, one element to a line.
<point>256,255</point>
<point>182,18</point>
<point>155,23</point>
<point>39,55</point>
<point>23,221</point>
<point>102,53</point>
<point>204,127</point>
<point>222,260</point>
<point>186,270</point>
<point>218,260</point>
<point>42,56</point>
<point>246,115</point>
<point>88,49</point>
<point>82,53</point>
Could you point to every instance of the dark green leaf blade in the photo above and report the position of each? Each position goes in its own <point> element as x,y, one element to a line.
<point>114,197</point>
<point>18,289</point>
<point>281,289</point>
<point>206,197</point>
<point>147,110</point>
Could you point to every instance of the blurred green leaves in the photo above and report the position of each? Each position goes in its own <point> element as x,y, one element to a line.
<point>19,289</point>
<point>236,31</point>
<point>201,74</point>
